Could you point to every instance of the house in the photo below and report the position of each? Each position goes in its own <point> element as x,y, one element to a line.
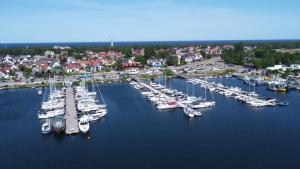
<point>49,53</point>
<point>228,47</point>
<point>4,72</point>
<point>138,52</point>
<point>19,75</point>
<point>95,65</point>
<point>216,51</point>
<point>25,60</point>
<point>198,57</point>
<point>56,65</point>
<point>7,60</point>
<point>295,66</point>
<point>62,47</point>
<point>71,60</point>
<point>103,54</point>
<point>107,62</point>
<point>129,63</point>
<point>91,54</point>
<point>72,68</point>
<point>188,58</point>
<point>278,67</point>
<point>154,62</point>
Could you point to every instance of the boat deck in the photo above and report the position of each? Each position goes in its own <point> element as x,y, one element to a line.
<point>71,114</point>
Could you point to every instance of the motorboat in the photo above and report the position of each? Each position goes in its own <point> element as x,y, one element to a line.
<point>51,114</point>
<point>189,112</point>
<point>46,127</point>
<point>84,125</point>
<point>203,104</point>
<point>40,92</point>
<point>58,124</point>
<point>167,105</point>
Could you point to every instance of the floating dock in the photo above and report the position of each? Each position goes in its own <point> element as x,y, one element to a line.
<point>71,113</point>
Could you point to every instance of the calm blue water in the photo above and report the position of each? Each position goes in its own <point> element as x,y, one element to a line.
<point>169,43</point>
<point>136,135</point>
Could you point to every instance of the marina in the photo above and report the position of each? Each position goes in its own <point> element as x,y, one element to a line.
<point>135,124</point>
<point>250,98</point>
<point>70,110</point>
<point>168,99</point>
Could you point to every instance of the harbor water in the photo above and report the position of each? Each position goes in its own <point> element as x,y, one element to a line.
<point>135,134</point>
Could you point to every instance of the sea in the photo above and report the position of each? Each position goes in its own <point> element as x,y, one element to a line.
<point>136,135</point>
<point>139,43</point>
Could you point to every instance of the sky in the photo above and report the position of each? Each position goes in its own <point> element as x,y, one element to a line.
<point>34,21</point>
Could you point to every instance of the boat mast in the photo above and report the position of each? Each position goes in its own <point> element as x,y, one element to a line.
<point>165,79</point>
<point>187,88</point>
<point>193,89</point>
<point>205,80</point>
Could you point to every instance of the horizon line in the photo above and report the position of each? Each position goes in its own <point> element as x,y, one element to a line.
<point>145,41</point>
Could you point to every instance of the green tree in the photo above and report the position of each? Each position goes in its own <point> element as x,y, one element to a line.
<point>128,52</point>
<point>141,59</point>
<point>203,54</point>
<point>149,52</point>
<point>119,65</point>
<point>171,60</point>
<point>168,72</point>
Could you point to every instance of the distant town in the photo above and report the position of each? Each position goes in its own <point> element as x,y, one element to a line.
<point>253,62</point>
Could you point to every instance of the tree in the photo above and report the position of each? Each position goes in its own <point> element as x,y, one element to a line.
<point>119,65</point>
<point>141,59</point>
<point>236,55</point>
<point>168,72</point>
<point>27,72</point>
<point>171,60</point>
<point>128,52</point>
<point>203,54</point>
<point>149,52</point>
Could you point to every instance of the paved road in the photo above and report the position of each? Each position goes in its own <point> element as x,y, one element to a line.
<point>206,65</point>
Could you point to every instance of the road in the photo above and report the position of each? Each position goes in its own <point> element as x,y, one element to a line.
<point>207,65</point>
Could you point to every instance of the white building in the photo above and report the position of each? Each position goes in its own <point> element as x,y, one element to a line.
<point>8,60</point>
<point>278,67</point>
<point>49,53</point>
<point>71,60</point>
<point>295,66</point>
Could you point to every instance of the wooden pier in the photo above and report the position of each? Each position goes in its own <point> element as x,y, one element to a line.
<point>71,113</point>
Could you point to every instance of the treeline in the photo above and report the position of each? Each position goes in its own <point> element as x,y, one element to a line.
<point>260,57</point>
<point>41,50</point>
<point>269,57</point>
<point>279,45</point>
<point>236,55</point>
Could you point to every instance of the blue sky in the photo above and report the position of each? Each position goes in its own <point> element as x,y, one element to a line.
<point>145,20</point>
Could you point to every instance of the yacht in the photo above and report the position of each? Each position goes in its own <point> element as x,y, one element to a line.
<point>204,104</point>
<point>189,112</point>
<point>58,124</point>
<point>46,127</point>
<point>167,105</point>
<point>51,114</point>
<point>84,125</point>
